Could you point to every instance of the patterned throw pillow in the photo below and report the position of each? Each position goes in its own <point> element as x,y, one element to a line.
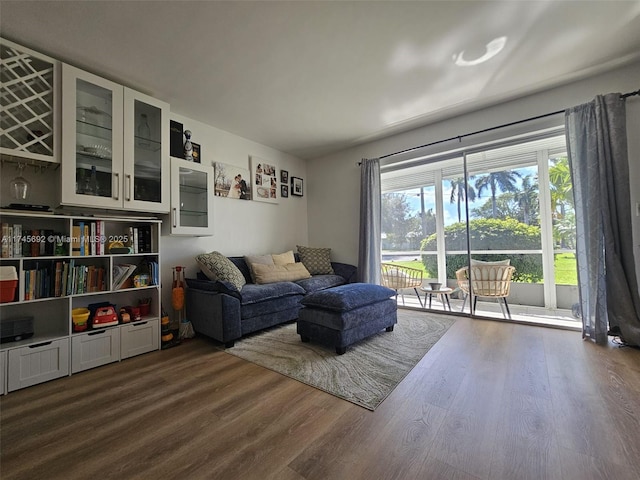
<point>317,260</point>
<point>218,267</point>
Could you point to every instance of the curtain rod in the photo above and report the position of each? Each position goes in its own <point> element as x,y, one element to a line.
<point>460,137</point>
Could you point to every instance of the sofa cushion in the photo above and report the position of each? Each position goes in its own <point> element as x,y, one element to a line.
<point>320,282</point>
<point>252,293</point>
<point>218,267</point>
<point>252,260</point>
<point>283,258</point>
<point>219,286</point>
<point>317,260</point>
<point>347,297</point>
<point>279,273</point>
<point>243,267</point>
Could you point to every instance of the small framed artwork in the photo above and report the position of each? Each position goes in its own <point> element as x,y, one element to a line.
<point>296,187</point>
<point>264,181</point>
<point>196,152</point>
<point>284,191</point>
<point>284,177</point>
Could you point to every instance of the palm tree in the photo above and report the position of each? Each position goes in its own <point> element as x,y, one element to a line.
<point>458,194</point>
<point>505,180</point>
<point>527,198</point>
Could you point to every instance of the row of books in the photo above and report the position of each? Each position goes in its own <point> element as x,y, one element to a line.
<point>20,241</point>
<point>61,278</point>
<point>122,272</point>
<point>91,238</point>
<point>88,238</point>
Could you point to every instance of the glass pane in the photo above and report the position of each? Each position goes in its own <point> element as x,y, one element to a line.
<point>193,198</point>
<point>94,139</point>
<point>563,217</point>
<point>454,199</point>
<point>147,153</point>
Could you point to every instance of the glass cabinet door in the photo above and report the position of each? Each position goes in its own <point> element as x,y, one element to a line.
<point>191,198</point>
<point>146,153</point>
<point>92,139</point>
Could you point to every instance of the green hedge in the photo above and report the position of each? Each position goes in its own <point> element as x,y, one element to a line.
<point>489,234</point>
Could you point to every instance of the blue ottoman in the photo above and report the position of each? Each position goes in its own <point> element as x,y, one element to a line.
<point>343,315</point>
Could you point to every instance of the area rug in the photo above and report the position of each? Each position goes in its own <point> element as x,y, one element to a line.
<point>366,374</point>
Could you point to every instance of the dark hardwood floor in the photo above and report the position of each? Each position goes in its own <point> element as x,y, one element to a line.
<point>491,400</point>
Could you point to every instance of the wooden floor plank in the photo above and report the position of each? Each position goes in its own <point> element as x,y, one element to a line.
<point>491,400</point>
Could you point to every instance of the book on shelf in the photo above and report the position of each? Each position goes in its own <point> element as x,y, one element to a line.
<point>75,241</point>
<point>121,273</point>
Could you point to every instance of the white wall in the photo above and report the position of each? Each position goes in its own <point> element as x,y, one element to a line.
<point>333,186</point>
<point>241,227</point>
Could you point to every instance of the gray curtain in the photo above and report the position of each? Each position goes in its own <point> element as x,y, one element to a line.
<point>598,157</point>
<point>370,221</point>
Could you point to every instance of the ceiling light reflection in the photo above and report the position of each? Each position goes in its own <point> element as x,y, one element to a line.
<point>492,48</point>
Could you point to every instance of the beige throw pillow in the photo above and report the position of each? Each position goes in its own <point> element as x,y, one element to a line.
<point>283,258</point>
<point>280,273</point>
<point>252,260</point>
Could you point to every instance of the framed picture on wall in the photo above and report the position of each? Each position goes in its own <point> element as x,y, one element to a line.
<point>230,181</point>
<point>284,177</point>
<point>264,183</point>
<point>284,191</point>
<point>297,187</point>
<point>196,152</point>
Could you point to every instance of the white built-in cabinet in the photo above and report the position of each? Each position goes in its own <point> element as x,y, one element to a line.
<point>30,93</point>
<point>115,145</point>
<point>58,272</point>
<point>191,198</point>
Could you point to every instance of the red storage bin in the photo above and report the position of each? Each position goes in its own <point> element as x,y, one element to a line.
<point>8,283</point>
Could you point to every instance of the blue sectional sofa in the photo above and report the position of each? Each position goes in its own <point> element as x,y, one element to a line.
<point>217,309</point>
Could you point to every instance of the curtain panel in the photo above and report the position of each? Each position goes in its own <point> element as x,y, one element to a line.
<point>369,249</point>
<point>598,158</point>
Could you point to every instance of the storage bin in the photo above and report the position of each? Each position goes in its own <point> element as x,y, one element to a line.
<point>8,283</point>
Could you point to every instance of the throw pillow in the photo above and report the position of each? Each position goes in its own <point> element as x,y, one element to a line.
<point>218,267</point>
<point>317,260</point>
<point>283,258</point>
<point>280,273</point>
<point>252,260</point>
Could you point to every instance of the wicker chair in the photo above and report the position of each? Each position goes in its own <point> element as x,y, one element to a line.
<point>398,278</point>
<point>487,280</point>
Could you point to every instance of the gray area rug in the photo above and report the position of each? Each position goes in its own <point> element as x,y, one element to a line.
<point>366,374</point>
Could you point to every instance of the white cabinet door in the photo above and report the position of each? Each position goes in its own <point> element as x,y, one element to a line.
<point>95,348</point>
<point>139,337</point>
<point>115,145</point>
<point>191,198</point>
<point>37,363</point>
<point>3,372</point>
<point>146,153</point>
<point>30,103</point>
<point>92,140</point>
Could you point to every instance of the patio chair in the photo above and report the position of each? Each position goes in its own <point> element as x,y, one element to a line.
<point>398,278</point>
<point>488,279</point>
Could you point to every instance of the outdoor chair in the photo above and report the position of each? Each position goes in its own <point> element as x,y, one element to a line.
<point>399,278</point>
<point>488,279</point>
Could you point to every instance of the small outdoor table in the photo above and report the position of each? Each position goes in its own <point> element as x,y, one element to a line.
<point>443,293</point>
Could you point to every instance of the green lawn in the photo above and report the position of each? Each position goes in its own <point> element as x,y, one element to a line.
<point>565,265</point>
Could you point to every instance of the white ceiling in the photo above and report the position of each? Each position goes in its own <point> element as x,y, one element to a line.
<point>312,77</point>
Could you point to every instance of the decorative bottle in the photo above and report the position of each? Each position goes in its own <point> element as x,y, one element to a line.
<point>188,147</point>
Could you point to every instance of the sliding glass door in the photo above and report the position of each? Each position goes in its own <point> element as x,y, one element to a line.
<point>507,204</point>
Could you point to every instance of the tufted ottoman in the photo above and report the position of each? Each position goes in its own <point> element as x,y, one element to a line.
<point>343,315</point>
